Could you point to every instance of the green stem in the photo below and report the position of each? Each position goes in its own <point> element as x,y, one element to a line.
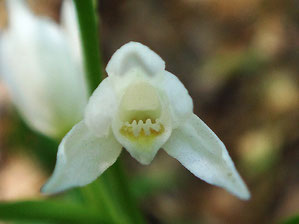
<point>89,37</point>
<point>125,196</point>
<point>111,190</point>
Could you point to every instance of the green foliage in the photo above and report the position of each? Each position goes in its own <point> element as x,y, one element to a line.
<point>291,220</point>
<point>48,211</point>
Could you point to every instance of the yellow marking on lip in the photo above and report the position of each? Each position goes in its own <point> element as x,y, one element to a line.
<point>142,138</point>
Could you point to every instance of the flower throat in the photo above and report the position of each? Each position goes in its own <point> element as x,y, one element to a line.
<point>140,110</point>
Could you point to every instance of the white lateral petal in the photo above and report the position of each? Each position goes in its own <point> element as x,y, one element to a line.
<point>101,108</point>
<point>81,158</point>
<point>132,55</point>
<point>180,102</point>
<point>200,151</point>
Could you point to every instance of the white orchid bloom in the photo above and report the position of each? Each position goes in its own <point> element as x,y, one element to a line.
<point>141,107</point>
<point>40,62</point>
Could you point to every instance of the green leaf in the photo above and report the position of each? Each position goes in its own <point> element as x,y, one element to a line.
<point>48,211</point>
<point>291,220</point>
<point>30,222</point>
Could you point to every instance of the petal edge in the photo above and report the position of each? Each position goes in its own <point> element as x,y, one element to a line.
<point>197,148</point>
<point>101,108</point>
<point>180,101</point>
<point>134,54</point>
<point>81,158</point>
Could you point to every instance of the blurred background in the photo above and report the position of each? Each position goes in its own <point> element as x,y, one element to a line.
<point>239,61</point>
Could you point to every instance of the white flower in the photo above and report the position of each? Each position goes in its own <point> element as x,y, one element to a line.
<point>142,108</point>
<point>40,62</point>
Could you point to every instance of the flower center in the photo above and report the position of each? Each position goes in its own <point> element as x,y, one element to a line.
<point>142,129</point>
<point>140,110</point>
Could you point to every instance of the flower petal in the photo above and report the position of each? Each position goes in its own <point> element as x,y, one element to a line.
<point>81,158</point>
<point>70,24</point>
<point>101,108</point>
<point>46,83</point>
<point>18,10</point>
<point>132,55</point>
<point>200,151</point>
<point>180,102</point>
